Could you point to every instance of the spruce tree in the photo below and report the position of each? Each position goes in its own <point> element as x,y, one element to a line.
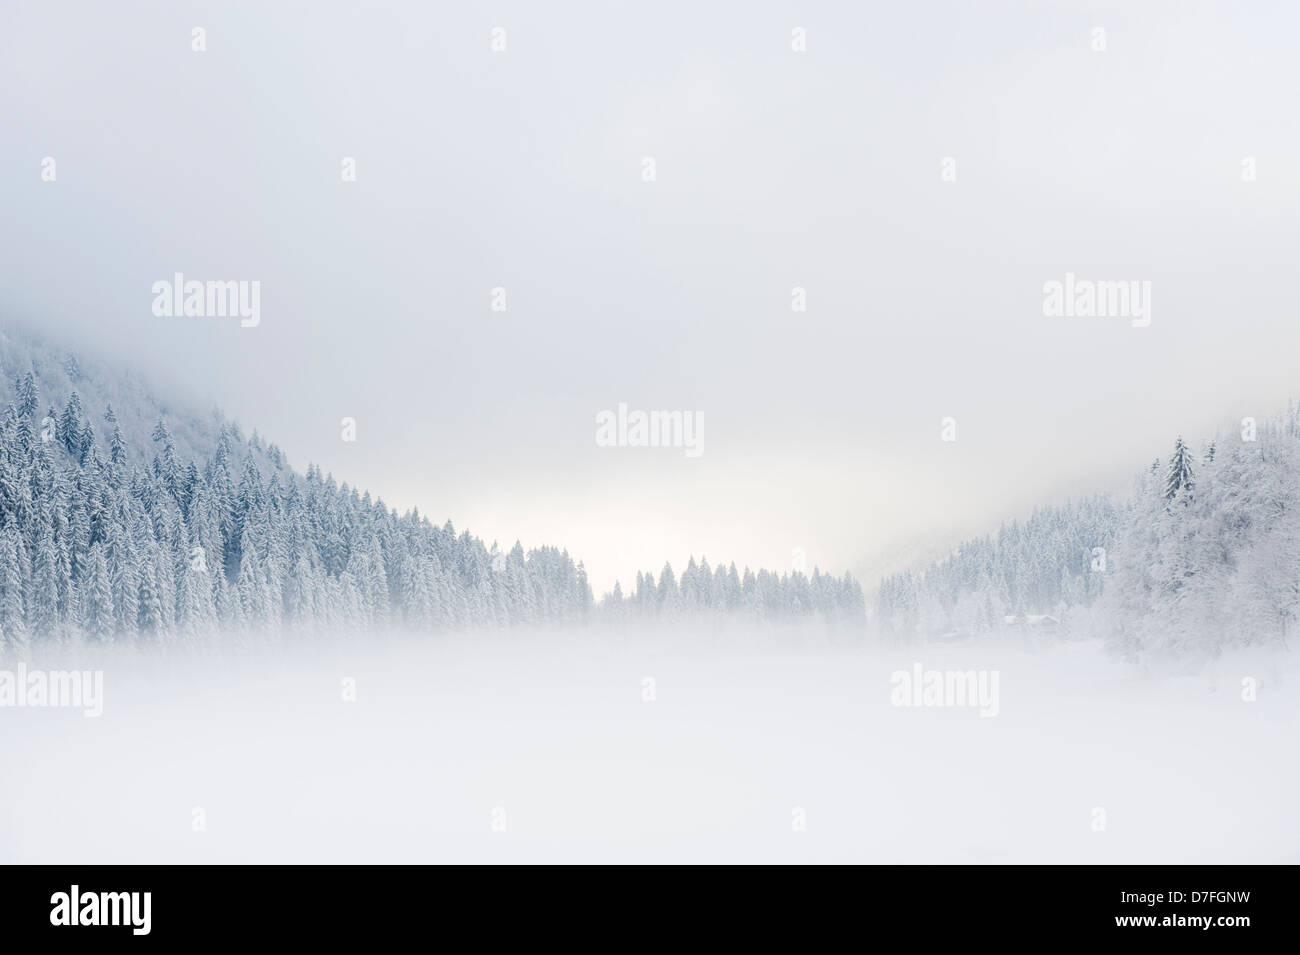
<point>13,620</point>
<point>97,619</point>
<point>29,396</point>
<point>1178,478</point>
<point>70,426</point>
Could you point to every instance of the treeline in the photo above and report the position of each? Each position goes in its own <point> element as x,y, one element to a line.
<point>96,547</point>
<point>1208,556</point>
<point>762,596</point>
<point>1056,560</point>
<point>1204,556</point>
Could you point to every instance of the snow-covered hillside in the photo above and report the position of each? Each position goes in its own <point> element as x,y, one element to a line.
<point>58,371</point>
<point>115,528</point>
<point>1203,556</point>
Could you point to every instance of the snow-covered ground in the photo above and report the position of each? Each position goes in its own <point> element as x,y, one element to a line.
<point>534,748</point>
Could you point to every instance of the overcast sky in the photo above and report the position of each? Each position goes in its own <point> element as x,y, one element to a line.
<point>523,170</point>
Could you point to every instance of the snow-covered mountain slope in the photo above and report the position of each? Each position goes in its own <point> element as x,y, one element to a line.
<point>1204,555</point>
<point>58,371</point>
<point>123,518</point>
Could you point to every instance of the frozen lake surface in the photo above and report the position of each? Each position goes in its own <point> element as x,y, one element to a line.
<point>541,749</point>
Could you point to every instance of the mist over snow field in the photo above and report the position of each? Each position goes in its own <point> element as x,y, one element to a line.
<point>530,747</point>
<point>679,433</point>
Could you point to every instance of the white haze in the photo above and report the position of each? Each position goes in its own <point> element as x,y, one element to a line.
<point>743,732</point>
<point>821,429</point>
<point>776,169</point>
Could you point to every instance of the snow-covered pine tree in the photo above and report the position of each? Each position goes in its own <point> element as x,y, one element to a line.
<point>1178,478</point>
<point>97,618</point>
<point>70,425</point>
<point>28,396</point>
<point>13,622</point>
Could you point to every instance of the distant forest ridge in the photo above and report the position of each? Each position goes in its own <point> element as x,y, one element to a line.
<point>1203,556</point>
<point>120,521</point>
